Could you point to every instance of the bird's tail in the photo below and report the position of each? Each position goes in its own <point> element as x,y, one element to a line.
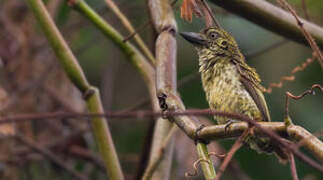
<point>265,145</point>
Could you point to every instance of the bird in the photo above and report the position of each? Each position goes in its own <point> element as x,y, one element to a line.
<point>230,84</point>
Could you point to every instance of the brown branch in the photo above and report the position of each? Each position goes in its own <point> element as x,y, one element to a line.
<point>143,26</point>
<point>307,92</point>
<point>236,146</point>
<point>306,34</point>
<point>209,132</point>
<point>166,78</point>
<point>293,166</point>
<point>272,18</point>
<point>126,23</point>
<point>85,154</point>
<point>51,156</point>
<point>290,77</point>
<point>161,153</point>
<point>279,141</point>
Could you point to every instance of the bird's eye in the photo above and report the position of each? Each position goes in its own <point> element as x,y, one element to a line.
<point>212,35</point>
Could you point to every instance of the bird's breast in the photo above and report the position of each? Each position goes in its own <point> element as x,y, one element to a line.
<point>225,92</point>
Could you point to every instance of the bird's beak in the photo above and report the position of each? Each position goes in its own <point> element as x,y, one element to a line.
<point>194,38</point>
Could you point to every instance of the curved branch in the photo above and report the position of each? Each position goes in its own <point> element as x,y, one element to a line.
<point>295,133</point>
<point>272,18</point>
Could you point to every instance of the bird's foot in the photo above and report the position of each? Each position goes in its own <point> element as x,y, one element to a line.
<point>228,124</point>
<point>196,139</point>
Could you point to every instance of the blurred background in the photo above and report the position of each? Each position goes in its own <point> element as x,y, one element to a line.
<point>33,82</point>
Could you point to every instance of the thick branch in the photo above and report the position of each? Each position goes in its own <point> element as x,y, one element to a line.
<point>165,25</point>
<point>272,18</point>
<point>293,132</point>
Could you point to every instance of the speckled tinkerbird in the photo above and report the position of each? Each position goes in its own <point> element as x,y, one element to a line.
<point>230,84</point>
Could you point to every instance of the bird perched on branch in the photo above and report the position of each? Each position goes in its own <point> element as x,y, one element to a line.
<point>230,84</point>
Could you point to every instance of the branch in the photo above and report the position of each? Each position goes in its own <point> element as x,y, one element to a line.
<point>307,35</point>
<point>91,94</point>
<point>307,92</point>
<point>165,25</point>
<point>296,133</point>
<point>166,78</point>
<point>160,154</point>
<point>206,164</point>
<point>135,57</point>
<point>272,18</point>
<point>235,147</point>
<point>291,76</point>
<point>51,156</point>
<point>131,30</point>
<point>293,166</point>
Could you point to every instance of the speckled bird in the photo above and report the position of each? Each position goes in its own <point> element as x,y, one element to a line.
<point>230,84</point>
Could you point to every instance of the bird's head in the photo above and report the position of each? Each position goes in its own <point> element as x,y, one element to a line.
<point>212,41</point>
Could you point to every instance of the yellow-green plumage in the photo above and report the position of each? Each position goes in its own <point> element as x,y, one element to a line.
<point>229,83</point>
<point>222,68</point>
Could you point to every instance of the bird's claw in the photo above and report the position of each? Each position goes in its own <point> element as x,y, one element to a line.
<point>196,139</point>
<point>228,124</point>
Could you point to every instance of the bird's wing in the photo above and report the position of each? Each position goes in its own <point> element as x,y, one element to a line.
<point>251,81</point>
<point>258,98</point>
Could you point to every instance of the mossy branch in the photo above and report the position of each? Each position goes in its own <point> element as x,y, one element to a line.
<point>134,56</point>
<point>91,94</point>
<point>206,165</point>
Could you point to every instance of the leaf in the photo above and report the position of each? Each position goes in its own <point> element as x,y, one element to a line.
<point>198,8</point>
<point>190,7</point>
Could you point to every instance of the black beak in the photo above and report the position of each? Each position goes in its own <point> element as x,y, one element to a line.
<point>194,38</point>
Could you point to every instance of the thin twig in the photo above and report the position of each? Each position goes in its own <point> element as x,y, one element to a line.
<point>85,154</point>
<point>307,35</point>
<point>272,18</point>
<point>118,114</point>
<point>236,146</point>
<point>124,20</point>
<point>153,165</point>
<point>275,138</point>
<point>195,172</point>
<point>265,128</point>
<point>293,166</point>
<point>51,156</point>
<point>290,77</point>
<point>143,26</point>
<point>307,92</point>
